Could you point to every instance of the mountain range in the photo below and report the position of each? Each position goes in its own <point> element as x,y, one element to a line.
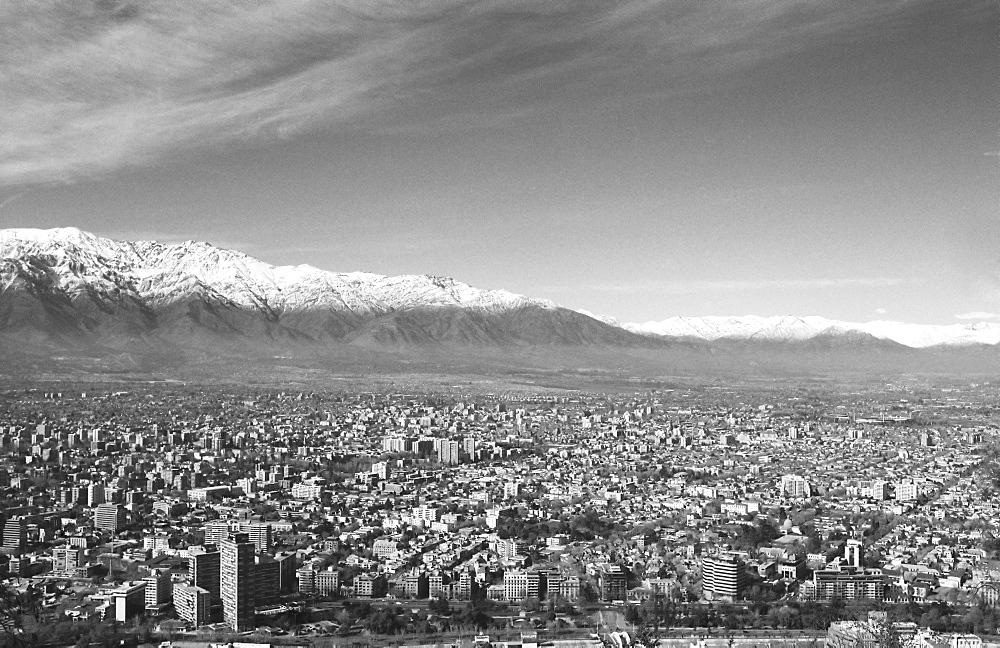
<point>65,291</point>
<point>786,328</point>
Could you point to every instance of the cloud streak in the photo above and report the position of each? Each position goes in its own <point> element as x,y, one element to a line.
<point>90,87</point>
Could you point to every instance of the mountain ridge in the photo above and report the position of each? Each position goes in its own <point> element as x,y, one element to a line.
<point>77,287</point>
<point>790,327</point>
<point>69,293</point>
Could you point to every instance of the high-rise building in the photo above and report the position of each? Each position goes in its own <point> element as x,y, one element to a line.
<point>724,576</point>
<point>469,447</point>
<point>852,553</point>
<point>907,491</point>
<point>307,579</point>
<point>215,532</point>
<point>436,586</point>
<point>205,572</point>
<point>515,584</point>
<point>266,576</point>
<point>193,604</point>
<point>328,581</point>
<point>795,486</point>
<point>67,560</point>
<point>95,494</point>
<point>261,536</point>
<point>879,490</point>
<point>613,582</point>
<point>15,533</point>
<point>109,517</point>
<point>537,583</point>
<point>127,600</point>
<point>237,581</point>
<point>159,591</point>
<point>448,451</point>
<point>383,469</point>
<point>427,514</point>
<point>286,572</point>
<point>395,444</point>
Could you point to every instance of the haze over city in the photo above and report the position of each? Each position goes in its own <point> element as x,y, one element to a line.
<point>635,159</point>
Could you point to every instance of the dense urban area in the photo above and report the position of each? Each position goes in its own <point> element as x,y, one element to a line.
<point>172,513</point>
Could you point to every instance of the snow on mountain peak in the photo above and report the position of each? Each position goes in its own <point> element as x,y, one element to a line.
<point>784,328</point>
<point>160,273</point>
<point>166,271</point>
<point>607,319</point>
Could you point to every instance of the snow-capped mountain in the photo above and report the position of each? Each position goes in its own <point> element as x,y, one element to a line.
<point>162,272</point>
<point>787,328</point>
<point>68,284</point>
<point>68,293</point>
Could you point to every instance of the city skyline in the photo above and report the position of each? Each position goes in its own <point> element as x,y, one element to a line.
<point>643,161</point>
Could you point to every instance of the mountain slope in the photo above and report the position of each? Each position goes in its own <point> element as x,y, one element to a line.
<point>74,289</point>
<point>150,307</point>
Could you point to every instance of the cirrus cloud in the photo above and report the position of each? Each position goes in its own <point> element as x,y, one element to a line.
<point>91,86</point>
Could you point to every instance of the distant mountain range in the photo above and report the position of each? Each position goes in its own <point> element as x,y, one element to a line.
<point>787,328</point>
<point>67,291</point>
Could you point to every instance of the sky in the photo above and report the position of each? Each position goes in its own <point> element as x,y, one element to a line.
<point>637,159</point>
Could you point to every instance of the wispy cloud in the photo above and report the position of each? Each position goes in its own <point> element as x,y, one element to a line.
<point>978,315</point>
<point>96,85</point>
<point>696,287</point>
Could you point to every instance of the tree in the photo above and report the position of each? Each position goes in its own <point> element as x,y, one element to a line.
<point>439,605</point>
<point>474,617</point>
<point>531,604</point>
<point>14,608</point>
<point>385,621</point>
<point>886,635</point>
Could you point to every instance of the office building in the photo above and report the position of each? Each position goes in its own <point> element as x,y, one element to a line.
<point>266,577</point>
<point>109,517</point>
<point>95,495</point>
<point>15,533</point>
<point>193,604</point>
<point>127,601</point>
<point>613,582</point>
<point>907,491</point>
<point>159,591</point>
<point>261,536</point>
<point>328,582</point>
<point>723,576</point>
<point>215,532</point>
<point>237,582</point>
<point>307,579</point>
<point>448,451</point>
<point>205,572</point>
<point>845,584</point>
<point>537,584</point>
<point>286,572</point>
<point>68,560</point>
<point>795,486</point>
<point>515,584</point>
